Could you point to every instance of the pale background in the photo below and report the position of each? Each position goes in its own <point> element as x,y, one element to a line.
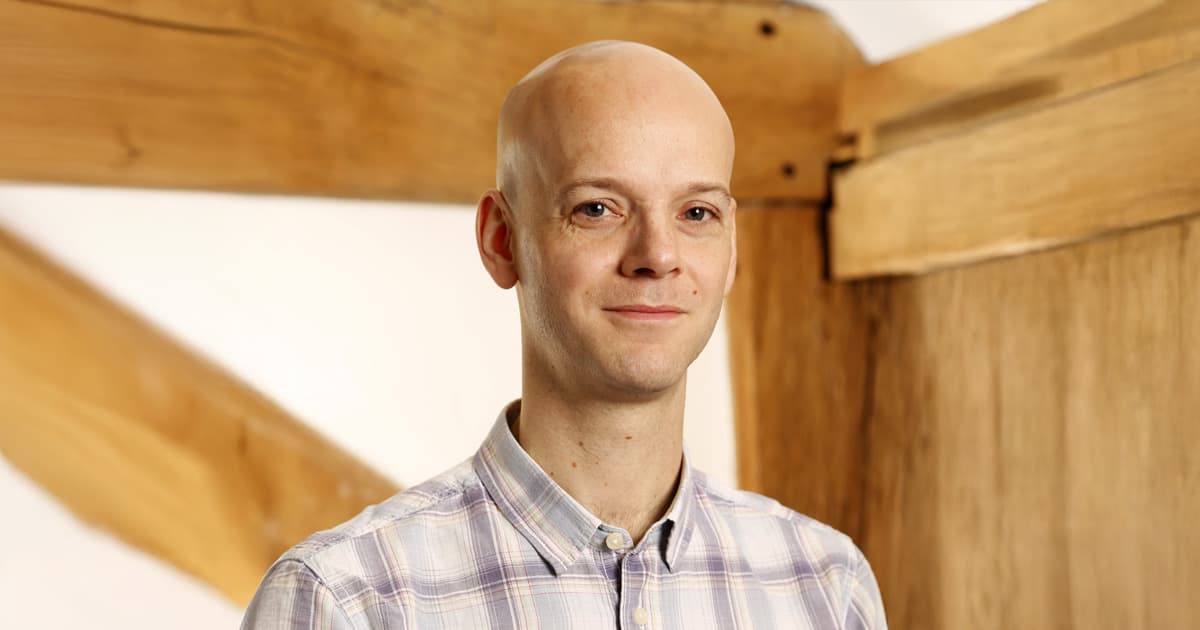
<point>374,322</point>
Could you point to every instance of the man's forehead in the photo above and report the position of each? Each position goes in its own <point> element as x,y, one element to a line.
<point>614,101</point>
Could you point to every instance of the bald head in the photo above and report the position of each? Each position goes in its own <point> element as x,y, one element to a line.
<point>613,198</point>
<point>576,99</point>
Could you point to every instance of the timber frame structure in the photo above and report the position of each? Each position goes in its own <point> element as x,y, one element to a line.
<point>966,320</point>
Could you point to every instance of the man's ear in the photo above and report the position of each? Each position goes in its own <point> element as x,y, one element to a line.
<point>493,235</point>
<point>733,257</point>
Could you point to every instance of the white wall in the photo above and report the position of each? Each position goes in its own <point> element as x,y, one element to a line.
<point>883,29</point>
<point>354,316</point>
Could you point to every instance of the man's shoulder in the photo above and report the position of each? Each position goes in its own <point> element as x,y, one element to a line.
<point>437,499</point>
<point>783,545</point>
<point>756,516</point>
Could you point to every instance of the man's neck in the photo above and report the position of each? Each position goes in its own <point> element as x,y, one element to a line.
<point>621,461</point>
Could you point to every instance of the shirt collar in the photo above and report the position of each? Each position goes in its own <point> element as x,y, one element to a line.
<point>677,525</point>
<point>557,525</point>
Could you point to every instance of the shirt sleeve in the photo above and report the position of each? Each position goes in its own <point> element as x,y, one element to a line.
<point>292,597</point>
<point>865,609</point>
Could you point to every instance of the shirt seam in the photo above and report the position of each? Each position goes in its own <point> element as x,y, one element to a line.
<point>339,605</point>
<point>374,526</point>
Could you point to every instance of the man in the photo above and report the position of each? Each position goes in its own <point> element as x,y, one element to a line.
<point>614,221</point>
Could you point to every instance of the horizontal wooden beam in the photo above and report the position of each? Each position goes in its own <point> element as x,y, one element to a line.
<point>140,437</point>
<point>381,100</point>
<point>1052,52</point>
<point>1109,160</point>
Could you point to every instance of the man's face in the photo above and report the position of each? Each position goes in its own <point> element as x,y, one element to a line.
<point>624,242</point>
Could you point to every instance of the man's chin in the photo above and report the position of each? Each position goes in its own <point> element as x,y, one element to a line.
<point>647,381</point>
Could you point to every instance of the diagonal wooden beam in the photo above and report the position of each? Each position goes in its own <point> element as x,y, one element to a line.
<point>374,99</point>
<point>142,438</point>
<point>1111,146</point>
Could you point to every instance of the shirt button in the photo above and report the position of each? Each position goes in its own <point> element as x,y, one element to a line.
<point>615,541</point>
<point>641,616</point>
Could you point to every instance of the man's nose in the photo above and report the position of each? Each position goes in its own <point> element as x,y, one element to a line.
<point>652,249</point>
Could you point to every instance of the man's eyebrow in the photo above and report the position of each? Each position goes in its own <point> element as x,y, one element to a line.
<point>607,183</point>
<point>706,187</point>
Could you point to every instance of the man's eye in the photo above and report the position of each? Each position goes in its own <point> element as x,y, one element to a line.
<point>593,210</point>
<point>696,213</point>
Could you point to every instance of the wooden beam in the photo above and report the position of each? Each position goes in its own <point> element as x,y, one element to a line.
<point>1035,436</point>
<point>1105,161</point>
<point>1052,52</point>
<point>1013,444</point>
<point>141,438</point>
<point>367,99</point>
<point>801,367</point>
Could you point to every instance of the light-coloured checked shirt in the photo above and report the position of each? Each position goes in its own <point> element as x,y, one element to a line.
<point>496,543</point>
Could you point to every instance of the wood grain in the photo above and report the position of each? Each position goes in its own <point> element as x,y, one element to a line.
<point>1052,52</point>
<point>374,99</point>
<point>799,348</point>
<point>1014,444</point>
<point>1035,432</point>
<point>142,438</point>
<point>1111,160</point>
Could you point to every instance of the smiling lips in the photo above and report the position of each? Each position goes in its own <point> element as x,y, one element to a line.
<point>647,312</point>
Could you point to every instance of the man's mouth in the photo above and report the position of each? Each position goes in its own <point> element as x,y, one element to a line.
<point>650,312</point>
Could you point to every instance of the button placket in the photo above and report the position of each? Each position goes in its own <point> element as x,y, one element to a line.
<point>634,578</point>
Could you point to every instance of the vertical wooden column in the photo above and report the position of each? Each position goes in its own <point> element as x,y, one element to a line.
<point>800,346</point>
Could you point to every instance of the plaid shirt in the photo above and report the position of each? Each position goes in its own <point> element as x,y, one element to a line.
<point>495,543</point>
